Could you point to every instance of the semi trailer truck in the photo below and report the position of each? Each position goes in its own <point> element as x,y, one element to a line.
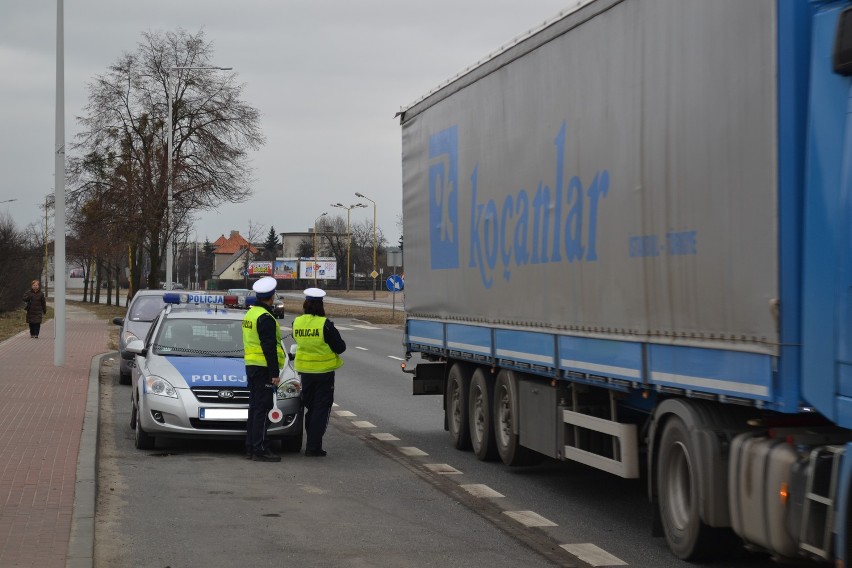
<point>628,243</point>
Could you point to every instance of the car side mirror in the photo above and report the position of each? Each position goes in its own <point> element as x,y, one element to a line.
<point>137,346</point>
<point>292,354</point>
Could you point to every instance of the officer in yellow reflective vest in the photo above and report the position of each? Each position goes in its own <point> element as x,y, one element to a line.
<point>264,357</point>
<point>318,355</point>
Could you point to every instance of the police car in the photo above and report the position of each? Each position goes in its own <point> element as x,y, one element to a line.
<point>190,381</point>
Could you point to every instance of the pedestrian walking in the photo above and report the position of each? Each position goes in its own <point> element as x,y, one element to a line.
<point>264,357</point>
<point>317,357</point>
<point>36,307</point>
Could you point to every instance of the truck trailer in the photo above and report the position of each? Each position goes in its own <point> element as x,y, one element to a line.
<point>628,243</point>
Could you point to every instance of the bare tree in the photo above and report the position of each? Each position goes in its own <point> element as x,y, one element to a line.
<point>123,143</point>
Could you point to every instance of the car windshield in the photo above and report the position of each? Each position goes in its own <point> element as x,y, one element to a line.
<point>146,308</point>
<point>200,338</point>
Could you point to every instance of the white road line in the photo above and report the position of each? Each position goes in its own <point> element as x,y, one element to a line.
<point>362,348</point>
<point>395,357</point>
<point>363,424</point>
<point>591,554</point>
<point>479,490</point>
<point>335,404</point>
<point>344,413</point>
<point>443,469</point>
<point>365,327</point>
<point>410,451</point>
<point>384,436</point>
<point>530,519</point>
<point>341,328</point>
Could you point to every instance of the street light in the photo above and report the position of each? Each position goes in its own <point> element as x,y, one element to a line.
<point>374,274</point>
<point>348,238</point>
<point>314,269</point>
<point>169,235</point>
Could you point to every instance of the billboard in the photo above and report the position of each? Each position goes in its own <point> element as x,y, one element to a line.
<point>286,268</point>
<point>260,268</point>
<point>319,268</point>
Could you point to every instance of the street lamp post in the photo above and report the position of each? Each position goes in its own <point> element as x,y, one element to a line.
<point>373,274</point>
<point>348,238</point>
<point>314,269</point>
<point>169,236</point>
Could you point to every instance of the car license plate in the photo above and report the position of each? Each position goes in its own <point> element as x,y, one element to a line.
<point>223,413</point>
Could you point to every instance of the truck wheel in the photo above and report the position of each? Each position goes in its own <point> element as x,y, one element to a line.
<point>677,490</point>
<point>481,417</point>
<point>143,440</point>
<point>508,443</point>
<point>458,386</point>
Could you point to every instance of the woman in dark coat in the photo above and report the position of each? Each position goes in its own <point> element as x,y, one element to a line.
<point>36,307</point>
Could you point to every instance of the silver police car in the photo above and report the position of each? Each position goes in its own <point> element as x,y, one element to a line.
<point>189,379</point>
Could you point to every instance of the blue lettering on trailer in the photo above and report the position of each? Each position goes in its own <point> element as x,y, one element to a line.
<point>545,227</point>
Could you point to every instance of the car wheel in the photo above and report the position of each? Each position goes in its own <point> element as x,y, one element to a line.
<point>133,414</point>
<point>123,378</point>
<point>292,444</point>
<point>144,441</point>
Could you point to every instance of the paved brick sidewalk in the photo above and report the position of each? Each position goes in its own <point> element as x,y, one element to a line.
<point>42,411</point>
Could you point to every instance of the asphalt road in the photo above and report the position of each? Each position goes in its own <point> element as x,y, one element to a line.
<point>372,502</point>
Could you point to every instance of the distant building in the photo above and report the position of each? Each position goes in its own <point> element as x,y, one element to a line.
<point>231,255</point>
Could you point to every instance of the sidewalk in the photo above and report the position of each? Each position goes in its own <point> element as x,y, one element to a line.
<point>48,422</point>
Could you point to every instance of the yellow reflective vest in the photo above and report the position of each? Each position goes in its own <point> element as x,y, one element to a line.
<point>251,340</point>
<point>313,355</point>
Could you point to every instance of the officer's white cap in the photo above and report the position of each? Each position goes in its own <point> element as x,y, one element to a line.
<point>265,286</point>
<point>314,293</point>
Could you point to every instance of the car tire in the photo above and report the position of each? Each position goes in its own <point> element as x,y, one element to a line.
<point>123,378</point>
<point>142,439</point>
<point>292,444</point>
<point>133,414</point>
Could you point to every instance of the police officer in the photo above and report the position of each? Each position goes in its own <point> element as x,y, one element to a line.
<point>264,356</point>
<point>317,357</point>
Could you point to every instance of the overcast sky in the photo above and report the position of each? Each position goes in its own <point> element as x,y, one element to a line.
<point>326,75</point>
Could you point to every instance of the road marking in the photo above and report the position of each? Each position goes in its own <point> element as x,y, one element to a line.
<point>384,436</point>
<point>591,554</point>
<point>344,413</point>
<point>410,451</point>
<point>365,327</point>
<point>530,519</point>
<point>443,469</point>
<point>395,357</point>
<point>341,328</point>
<point>362,348</point>
<point>363,424</point>
<point>479,490</point>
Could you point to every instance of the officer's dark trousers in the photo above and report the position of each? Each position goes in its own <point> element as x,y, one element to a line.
<point>260,403</point>
<point>317,398</point>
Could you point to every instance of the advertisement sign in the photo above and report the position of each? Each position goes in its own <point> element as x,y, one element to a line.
<point>320,268</point>
<point>286,268</point>
<point>260,268</point>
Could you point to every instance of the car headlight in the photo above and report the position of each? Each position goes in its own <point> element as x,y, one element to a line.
<point>128,336</point>
<point>159,387</point>
<point>291,388</point>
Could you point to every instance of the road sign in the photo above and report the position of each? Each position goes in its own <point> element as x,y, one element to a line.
<point>394,283</point>
<point>373,274</point>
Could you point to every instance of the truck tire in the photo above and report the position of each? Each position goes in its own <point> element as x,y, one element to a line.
<point>677,490</point>
<point>458,387</point>
<point>482,417</point>
<point>508,443</point>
